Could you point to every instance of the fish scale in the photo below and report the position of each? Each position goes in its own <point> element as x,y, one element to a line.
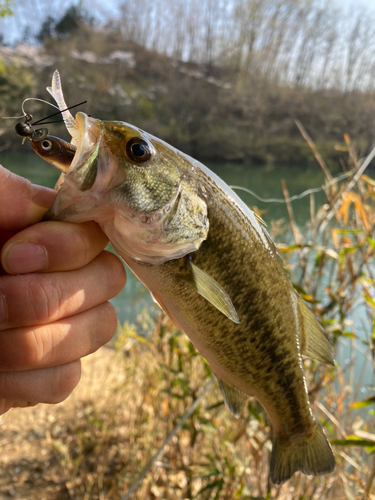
<point>211,265</point>
<point>252,365</point>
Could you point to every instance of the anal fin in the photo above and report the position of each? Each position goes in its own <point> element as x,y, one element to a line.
<point>210,289</point>
<point>234,399</point>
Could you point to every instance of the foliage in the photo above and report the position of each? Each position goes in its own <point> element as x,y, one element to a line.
<point>309,44</point>
<point>199,83</point>
<point>15,83</point>
<point>215,456</point>
<point>5,8</point>
<point>230,111</point>
<point>70,22</point>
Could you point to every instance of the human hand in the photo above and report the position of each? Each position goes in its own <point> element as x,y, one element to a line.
<point>55,281</point>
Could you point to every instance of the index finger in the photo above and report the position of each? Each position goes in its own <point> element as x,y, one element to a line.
<point>22,203</point>
<point>51,246</point>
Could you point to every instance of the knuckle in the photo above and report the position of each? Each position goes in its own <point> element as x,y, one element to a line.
<point>82,245</point>
<point>105,321</point>
<point>49,385</point>
<point>111,321</point>
<point>34,349</point>
<point>5,385</point>
<point>88,240</point>
<point>45,299</point>
<point>5,405</point>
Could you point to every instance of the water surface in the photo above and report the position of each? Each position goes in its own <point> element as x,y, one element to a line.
<point>265,181</point>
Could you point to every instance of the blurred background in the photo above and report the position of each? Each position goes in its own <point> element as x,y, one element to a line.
<point>260,91</point>
<point>221,80</point>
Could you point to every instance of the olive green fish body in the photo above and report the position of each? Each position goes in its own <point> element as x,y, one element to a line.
<point>260,355</point>
<point>211,265</point>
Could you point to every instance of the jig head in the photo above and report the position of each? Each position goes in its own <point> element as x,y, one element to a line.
<point>27,129</point>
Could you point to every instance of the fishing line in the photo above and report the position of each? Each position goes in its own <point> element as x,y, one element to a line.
<point>297,196</point>
<point>40,122</point>
<point>23,110</point>
<point>27,130</point>
<point>47,123</point>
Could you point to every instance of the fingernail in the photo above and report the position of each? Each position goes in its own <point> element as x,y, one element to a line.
<point>3,309</point>
<point>22,258</point>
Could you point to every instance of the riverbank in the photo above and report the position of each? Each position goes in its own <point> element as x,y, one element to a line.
<point>95,444</point>
<point>207,115</point>
<point>28,464</point>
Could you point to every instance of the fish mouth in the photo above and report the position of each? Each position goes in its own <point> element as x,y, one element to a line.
<point>89,136</point>
<point>75,199</point>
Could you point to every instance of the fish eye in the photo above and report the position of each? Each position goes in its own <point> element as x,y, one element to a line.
<point>46,145</point>
<point>139,150</point>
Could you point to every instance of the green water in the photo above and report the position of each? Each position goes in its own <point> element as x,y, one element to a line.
<point>265,181</point>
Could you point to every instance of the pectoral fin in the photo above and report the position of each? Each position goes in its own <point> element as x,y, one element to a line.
<point>214,293</point>
<point>88,171</point>
<point>317,346</point>
<point>234,399</point>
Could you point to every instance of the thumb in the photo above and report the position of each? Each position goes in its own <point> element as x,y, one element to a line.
<point>21,203</point>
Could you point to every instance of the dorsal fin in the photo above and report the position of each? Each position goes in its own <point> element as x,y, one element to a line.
<point>210,289</point>
<point>234,399</point>
<point>259,219</point>
<point>317,346</point>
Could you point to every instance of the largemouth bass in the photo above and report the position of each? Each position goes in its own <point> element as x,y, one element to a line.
<point>209,262</point>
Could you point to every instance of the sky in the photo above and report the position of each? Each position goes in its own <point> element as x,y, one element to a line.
<point>12,28</point>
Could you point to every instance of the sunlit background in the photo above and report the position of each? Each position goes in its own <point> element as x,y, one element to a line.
<point>261,91</point>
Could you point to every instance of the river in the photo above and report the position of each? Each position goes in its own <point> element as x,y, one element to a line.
<point>265,181</point>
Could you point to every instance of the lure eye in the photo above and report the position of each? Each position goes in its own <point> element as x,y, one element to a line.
<point>139,150</point>
<point>46,144</point>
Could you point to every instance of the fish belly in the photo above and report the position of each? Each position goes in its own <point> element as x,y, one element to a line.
<point>259,356</point>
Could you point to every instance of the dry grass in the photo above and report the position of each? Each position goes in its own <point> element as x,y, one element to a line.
<point>95,445</point>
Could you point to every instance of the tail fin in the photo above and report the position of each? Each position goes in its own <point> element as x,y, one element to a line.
<point>312,457</point>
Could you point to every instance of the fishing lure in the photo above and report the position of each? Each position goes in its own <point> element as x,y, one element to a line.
<point>26,129</point>
<point>55,151</point>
